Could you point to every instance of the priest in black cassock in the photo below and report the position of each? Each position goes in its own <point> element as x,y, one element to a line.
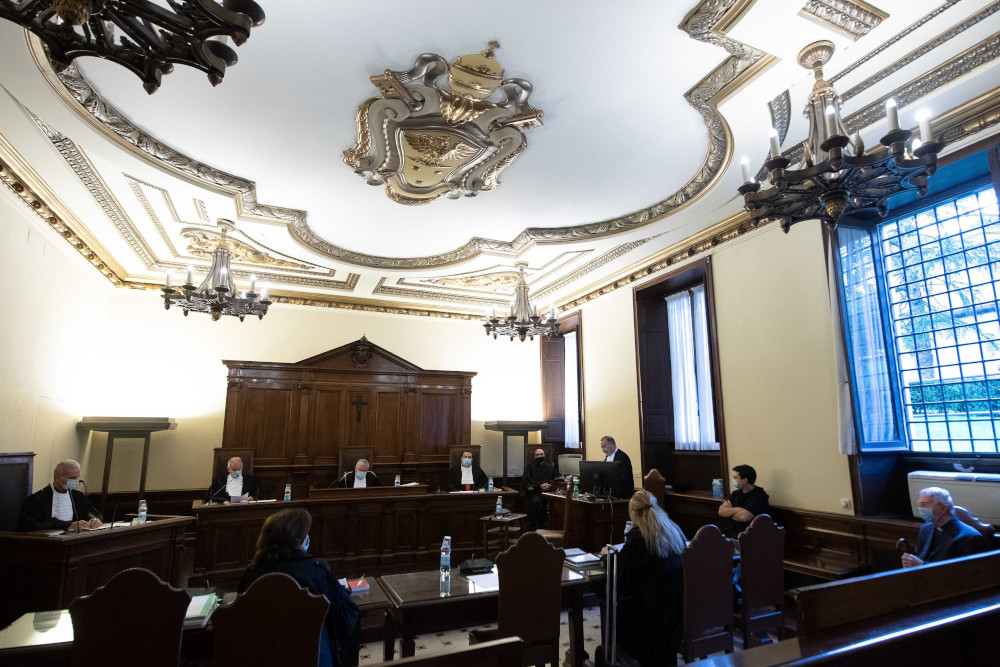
<point>537,479</point>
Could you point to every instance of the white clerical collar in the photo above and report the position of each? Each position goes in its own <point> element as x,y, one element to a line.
<point>611,456</point>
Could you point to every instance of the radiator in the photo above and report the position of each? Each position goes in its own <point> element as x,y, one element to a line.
<point>978,493</point>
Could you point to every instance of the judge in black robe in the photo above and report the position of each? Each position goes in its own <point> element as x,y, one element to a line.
<point>479,478</point>
<point>537,480</point>
<point>351,478</point>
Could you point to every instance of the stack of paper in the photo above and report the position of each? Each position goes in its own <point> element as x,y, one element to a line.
<point>199,610</point>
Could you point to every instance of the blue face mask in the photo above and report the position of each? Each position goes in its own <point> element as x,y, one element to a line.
<point>926,513</point>
<point>736,485</point>
<point>360,474</point>
<point>236,474</point>
<point>305,544</point>
<point>467,462</point>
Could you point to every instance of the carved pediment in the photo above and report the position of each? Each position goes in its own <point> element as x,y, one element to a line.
<point>359,355</point>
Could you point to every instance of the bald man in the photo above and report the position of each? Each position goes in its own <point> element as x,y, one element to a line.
<point>233,483</point>
<point>59,506</point>
<point>537,479</point>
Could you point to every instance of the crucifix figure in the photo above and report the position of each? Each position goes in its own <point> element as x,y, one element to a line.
<point>357,403</point>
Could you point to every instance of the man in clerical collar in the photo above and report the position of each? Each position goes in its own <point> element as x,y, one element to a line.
<point>466,476</point>
<point>59,505</point>
<point>943,535</point>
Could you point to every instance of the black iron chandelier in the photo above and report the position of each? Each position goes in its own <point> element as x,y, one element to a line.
<point>835,175</point>
<point>217,294</point>
<point>146,37</point>
<point>523,321</point>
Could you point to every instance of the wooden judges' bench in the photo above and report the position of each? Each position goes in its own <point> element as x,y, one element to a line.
<point>359,531</point>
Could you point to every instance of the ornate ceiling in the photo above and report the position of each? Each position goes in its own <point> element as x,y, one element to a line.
<point>645,105</point>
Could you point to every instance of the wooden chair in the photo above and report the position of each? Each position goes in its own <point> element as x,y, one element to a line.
<point>276,622</point>
<point>987,530</point>
<point>654,483</point>
<point>762,554</point>
<point>708,594</point>
<point>455,455</point>
<point>222,455</point>
<point>529,454</point>
<point>15,485</point>
<point>349,458</point>
<point>529,601</point>
<point>145,614</point>
<point>557,537</point>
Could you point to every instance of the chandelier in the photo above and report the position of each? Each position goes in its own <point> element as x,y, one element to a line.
<point>835,176</point>
<point>522,321</point>
<point>217,294</point>
<point>151,36</point>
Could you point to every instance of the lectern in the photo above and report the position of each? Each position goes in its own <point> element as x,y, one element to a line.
<point>126,427</point>
<point>518,429</point>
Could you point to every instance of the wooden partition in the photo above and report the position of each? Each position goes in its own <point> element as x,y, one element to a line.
<point>299,417</point>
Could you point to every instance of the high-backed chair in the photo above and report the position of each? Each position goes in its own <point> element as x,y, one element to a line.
<point>349,458</point>
<point>529,601</point>
<point>708,594</point>
<point>455,455</point>
<point>987,530</point>
<point>762,577</point>
<point>560,537</point>
<point>223,454</point>
<point>656,485</point>
<point>146,615</point>
<point>276,622</point>
<point>15,486</point>
<point>529,454</point>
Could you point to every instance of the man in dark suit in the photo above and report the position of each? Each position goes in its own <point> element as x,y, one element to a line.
<point>359,478</point>
<point>626,484</point>
<point>466,476</point>
<point>59,506</point>
<point>537,480</point>
<point>233,483</point>
<point>943,535</point>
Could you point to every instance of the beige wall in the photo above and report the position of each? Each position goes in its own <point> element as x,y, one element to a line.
<point>75,346</point>
<point>775,354</point>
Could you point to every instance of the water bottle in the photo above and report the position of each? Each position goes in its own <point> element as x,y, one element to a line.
<point>288,491</point>
<point>446,566</point>
<point>628,526</point>
<point>396,483</point>
<point>499,512</point>
<point>717,487</point>
<point>142,511</point>
<point>576,488</point>
<point>489,485</point>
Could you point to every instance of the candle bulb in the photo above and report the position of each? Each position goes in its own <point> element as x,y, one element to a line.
<point>222,278</point>
<point>170,280</point>
<point>190,275</point>
<point>552,312</point>
<point>892,114</point>
<point>775,146</point>
<point>915,145</point>
<point>253,281</point>
<point>745,166</point>
<point>263,293</point>
<point>831,122</point>
<point>924,118</point>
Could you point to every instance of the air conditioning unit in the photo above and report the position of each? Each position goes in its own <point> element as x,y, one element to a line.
<point>978,493</point>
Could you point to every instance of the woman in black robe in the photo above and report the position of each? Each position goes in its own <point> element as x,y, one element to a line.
<point>650,585</point>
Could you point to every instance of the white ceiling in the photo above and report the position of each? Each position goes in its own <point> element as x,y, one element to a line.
<point>618,137</point>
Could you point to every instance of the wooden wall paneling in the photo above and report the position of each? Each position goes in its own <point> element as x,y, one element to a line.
<point>269,418</point>
<point>553,354</point>
<point>328,404</point>
<point>389,422</point>
<point>439,421</point>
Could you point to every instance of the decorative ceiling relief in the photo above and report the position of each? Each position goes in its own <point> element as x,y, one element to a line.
<point>202,243</point>
<point>851,17</point>
<point>422,140</point>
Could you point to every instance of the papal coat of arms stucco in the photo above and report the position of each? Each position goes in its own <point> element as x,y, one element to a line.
<point>422,140</point>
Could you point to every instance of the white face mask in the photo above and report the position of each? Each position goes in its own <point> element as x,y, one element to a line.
<point>360,474</point>
<point>736,484</point>
<point>71,484</point>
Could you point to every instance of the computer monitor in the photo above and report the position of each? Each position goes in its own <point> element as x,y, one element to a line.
<point>604,477</point>
<point>569,464</point>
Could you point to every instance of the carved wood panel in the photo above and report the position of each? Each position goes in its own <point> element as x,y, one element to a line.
<point>268,420</point>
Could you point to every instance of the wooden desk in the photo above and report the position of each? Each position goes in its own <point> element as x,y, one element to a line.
<point>359,531</point>
<point>43,573</point>
<point>417,606</point>
<point>593,523</point>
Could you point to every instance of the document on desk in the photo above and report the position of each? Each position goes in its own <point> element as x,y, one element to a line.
<point>411,484</point>
<point>485,582</point>
<point>271,500</point>
<point>573,552</point>
<point>199,610</point>
<point>583,558</point>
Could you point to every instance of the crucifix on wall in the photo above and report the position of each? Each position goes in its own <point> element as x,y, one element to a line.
<point>358,403</point>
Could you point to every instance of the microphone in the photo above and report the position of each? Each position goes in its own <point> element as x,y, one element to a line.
<point>342,478</point>
<point>114,514</point>
<point>221,488</point>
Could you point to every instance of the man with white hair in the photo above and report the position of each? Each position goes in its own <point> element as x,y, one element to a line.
<point>233,483</point>
<point>361,477</point>
<point>59,506</point>
<point>943,535</point>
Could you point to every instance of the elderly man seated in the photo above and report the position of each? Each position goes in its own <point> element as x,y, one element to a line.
<point>59,505</point>
<point>361,477</point>
<point>943,535</point>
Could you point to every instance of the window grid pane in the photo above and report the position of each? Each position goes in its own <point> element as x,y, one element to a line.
<point>942,274</point>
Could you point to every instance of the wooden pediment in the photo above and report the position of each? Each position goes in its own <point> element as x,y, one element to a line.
<point>359,355</point>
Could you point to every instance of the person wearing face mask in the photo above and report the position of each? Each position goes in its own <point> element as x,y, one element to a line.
<point>282,546</point>
<point>943,535</point>
<point>361,477</point>
<point>537,480</point>
<point>233,483</point>
<point>59,505</point>
<point>466,477</point>
<point>746,502</point>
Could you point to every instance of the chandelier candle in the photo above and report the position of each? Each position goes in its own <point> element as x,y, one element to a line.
<point>745,167</point>
<point>775,146</point>
<point>924,118</point>
<point>892,114</point>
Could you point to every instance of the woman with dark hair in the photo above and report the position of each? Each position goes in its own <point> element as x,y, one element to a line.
<point>650,584</point>
<point>282,547</point>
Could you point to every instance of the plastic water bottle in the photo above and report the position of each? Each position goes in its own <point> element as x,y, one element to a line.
<point>576,488</point>
<point>489,485</point>
<point>446,566</point>
<point>288,491</point>
<point>142,511</point>
<point>717,487</point>
<point>396,483</point>
<point>499,512</point>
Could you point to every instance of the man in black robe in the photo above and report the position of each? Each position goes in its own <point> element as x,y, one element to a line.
<point>59,506</point>
<point>537,480</point>
<point>233,483</point>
